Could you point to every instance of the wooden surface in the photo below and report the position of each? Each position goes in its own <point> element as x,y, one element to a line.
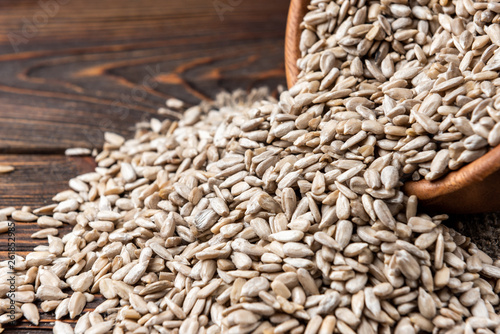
<point>83,72</point>
<point>102,65</point>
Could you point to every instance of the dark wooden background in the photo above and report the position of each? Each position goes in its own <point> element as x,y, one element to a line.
<point>72,69</point>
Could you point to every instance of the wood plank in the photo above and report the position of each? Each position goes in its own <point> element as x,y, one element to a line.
<point>99,66</point>
<point>36,179</point>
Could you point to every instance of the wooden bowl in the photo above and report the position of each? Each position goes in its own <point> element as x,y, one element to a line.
<point>473,188</point>
<point>296,12</point>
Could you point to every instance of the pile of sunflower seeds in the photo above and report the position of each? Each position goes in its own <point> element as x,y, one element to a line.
<point>420,75</point>
<point>244,218</point>
<point>251,215</point>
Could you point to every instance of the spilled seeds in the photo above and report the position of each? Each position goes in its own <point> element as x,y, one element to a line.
<point>217,224</point>
<point>251,215</point>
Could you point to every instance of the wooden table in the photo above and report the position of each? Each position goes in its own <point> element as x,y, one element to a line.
<point>72,69</point>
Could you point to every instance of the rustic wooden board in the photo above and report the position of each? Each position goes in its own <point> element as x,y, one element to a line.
<point>97,65</point>
<point>36,179</point>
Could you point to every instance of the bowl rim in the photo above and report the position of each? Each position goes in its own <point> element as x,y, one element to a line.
<point>296,12</point>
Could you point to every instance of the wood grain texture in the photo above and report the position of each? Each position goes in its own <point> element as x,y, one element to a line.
<point>36,179</point>
<point>103,65</point>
